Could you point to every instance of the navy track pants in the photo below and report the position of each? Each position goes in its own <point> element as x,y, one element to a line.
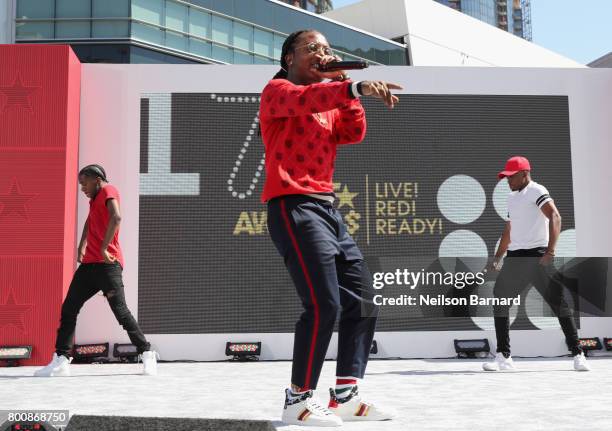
<point>330,276</point>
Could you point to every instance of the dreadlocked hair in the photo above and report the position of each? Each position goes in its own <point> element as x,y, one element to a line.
<point>288,46</point>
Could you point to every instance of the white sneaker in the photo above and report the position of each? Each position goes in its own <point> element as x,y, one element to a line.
<point>58,367</point>
<point>580,363</point>
<point>306,411</point>
<point>149,363</point>
<point>501,363</point>
<point>351,408</point>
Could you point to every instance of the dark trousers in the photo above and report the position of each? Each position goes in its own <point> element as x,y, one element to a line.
<point>88,280</point>
<point>330,275</point>
<point>521,268</point>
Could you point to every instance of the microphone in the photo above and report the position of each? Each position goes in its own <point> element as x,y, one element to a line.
<point>342,65</point>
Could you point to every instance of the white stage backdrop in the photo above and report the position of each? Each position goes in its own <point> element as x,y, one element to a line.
<point>180,142</point>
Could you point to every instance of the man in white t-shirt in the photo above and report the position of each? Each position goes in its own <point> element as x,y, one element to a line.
<point>529,238</point>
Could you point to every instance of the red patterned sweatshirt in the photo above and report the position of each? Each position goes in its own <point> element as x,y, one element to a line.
<point>301,126</point>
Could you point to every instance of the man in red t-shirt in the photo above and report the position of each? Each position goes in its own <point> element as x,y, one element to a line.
<point>101,268</point>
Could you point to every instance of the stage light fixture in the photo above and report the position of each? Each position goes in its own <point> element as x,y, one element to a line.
<point>10,355</point>
<point>26,426</point>
<point>88,353</point>
<point>244,351</point>
<point>590,343</point>
<point>125,352</point>
<point>472,348</point>
<point>608,343</point>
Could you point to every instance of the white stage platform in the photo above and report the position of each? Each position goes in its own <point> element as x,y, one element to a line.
<point>545,394</point>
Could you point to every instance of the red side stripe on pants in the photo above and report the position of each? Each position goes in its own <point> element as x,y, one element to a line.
<point>315,329</point>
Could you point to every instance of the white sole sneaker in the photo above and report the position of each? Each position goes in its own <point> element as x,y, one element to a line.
<point>149,363</point>
<point>580,363</point>
<point>58,367</point>
<point>306,411</point>
<point>353,409</point>
<point>501,363</point>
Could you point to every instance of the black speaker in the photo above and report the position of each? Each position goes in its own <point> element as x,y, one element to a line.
<point>133,423</point>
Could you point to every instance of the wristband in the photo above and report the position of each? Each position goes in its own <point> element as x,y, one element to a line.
<point>356,89</point>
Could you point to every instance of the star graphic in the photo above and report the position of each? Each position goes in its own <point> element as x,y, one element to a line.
<point>346,198</point>
<point>17,95</point>
<point>12,313</point>
<point>15,201</point>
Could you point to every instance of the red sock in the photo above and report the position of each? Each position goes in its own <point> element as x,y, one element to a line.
<point>341,381</point>
<point>344,385</point>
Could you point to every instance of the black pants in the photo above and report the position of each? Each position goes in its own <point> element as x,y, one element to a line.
<point>330,275</point>
<point>521,268</point>
<point>88,280</point>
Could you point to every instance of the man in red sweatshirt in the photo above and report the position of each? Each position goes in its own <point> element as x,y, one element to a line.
<point>302,121</point>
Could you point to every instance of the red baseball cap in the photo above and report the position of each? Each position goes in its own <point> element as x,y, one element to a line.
<point>514,165</point>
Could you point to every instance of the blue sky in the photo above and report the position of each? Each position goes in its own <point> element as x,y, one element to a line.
<point>580,29</point>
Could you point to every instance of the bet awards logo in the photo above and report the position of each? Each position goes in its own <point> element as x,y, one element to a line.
<point>368,209</point>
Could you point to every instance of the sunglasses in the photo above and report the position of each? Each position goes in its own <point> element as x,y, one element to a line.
<point>314,47</point>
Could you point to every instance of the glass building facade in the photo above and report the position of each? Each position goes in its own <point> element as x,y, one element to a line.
<point>317,6</point>
<point>513,16</point>
<point>201,31</point>
<point>484,10</point>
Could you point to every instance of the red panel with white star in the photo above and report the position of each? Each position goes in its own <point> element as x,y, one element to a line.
<point>39,130</point>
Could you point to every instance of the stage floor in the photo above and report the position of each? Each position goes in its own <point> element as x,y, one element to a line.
<point>545,394</point>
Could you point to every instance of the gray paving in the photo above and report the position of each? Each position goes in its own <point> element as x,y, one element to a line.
<point>545,394</point>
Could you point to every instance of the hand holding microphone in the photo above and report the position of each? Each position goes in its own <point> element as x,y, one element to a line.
<point>342,65</point>
<point>328,68</point>
<point>332,67</point>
